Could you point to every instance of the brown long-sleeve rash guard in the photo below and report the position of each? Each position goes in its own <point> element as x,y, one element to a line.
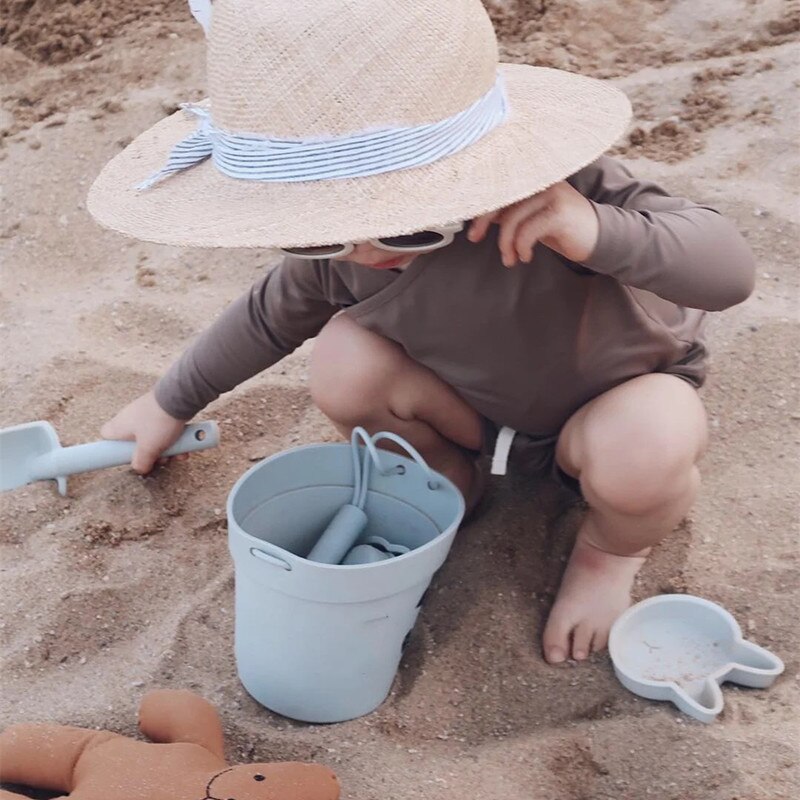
<point>525,347</point>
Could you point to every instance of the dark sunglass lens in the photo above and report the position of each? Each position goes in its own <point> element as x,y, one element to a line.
<point>420,239</point>
<point>321,251</point>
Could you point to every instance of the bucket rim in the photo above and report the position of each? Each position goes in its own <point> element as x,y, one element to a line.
<point>457,520</point>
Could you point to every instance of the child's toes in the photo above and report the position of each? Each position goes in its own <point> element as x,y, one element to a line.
<point>600,639</point>
<point>582,640</point>
<point>555,640</point>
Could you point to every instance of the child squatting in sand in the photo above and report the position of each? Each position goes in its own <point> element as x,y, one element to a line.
<point>591,348</point>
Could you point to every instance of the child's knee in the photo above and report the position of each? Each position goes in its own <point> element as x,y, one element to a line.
<point>350,371</point>
<point>637,477</point>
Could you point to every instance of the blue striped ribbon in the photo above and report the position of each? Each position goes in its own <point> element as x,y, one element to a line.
<point>257,158</point>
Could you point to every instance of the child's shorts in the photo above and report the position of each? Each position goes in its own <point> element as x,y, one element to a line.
<point>526,453</point>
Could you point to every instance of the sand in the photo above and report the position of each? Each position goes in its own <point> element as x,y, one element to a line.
<point>126,584</point>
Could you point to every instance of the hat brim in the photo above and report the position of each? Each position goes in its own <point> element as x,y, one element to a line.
<point>558,123</point>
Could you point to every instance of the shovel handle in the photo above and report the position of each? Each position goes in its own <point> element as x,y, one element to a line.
<point>99,455</point>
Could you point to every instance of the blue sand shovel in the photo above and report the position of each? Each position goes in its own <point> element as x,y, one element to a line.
<point>32,452</point>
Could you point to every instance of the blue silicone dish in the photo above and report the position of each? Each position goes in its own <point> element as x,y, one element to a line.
<point>681,648</point>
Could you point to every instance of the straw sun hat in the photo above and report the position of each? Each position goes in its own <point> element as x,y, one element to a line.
<point>343,120</point>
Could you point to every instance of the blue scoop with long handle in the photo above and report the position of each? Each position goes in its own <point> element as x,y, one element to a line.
<point>32,452</point>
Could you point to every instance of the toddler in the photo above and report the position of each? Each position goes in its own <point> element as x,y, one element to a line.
<point>469,262</point>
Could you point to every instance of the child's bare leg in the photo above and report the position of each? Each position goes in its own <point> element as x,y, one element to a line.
<point>634,450</point>
<point>361,378</point>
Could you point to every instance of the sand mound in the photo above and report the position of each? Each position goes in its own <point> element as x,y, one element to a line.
<point>54,31</point>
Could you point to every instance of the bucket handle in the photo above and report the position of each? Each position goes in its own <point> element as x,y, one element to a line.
<point>270,559</point>
<point>362,481</point>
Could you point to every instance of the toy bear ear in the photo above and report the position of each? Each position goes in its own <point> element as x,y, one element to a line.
<point>201,11</point>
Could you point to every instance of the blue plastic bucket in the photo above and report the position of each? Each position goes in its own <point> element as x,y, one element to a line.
<point>321,642</point>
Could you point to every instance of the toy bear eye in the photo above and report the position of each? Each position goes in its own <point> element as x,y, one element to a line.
<point>259,778</point>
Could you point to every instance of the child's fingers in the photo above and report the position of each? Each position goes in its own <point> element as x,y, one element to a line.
<point>509,223</point>
<point>144,459</point>
<point>525,249</point>
<point>479,226</point>
<point>508,234</point>
<point>162,461</point>
<point>530,232</point>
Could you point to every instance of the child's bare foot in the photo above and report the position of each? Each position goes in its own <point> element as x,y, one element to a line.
<point>595,590</point>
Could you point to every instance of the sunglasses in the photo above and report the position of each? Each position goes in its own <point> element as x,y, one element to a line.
<point>420,242</point>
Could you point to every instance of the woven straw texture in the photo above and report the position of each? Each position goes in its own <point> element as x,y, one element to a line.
<point>274,69</point>
<point>306,68</point>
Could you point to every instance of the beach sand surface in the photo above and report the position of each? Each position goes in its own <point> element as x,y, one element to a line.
<point>126,584</point>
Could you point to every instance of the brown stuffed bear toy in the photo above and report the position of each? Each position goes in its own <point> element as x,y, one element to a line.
<point>186,763</point>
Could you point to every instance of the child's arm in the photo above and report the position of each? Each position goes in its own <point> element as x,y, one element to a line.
<point>258,329</point>
<point>685,252</point>
<point>633,231</point>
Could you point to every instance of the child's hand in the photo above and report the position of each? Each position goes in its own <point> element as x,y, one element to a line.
<point>146,423</point>
<point>560,217</point>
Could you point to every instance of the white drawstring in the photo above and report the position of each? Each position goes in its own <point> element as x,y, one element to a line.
<point>502,448</point>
